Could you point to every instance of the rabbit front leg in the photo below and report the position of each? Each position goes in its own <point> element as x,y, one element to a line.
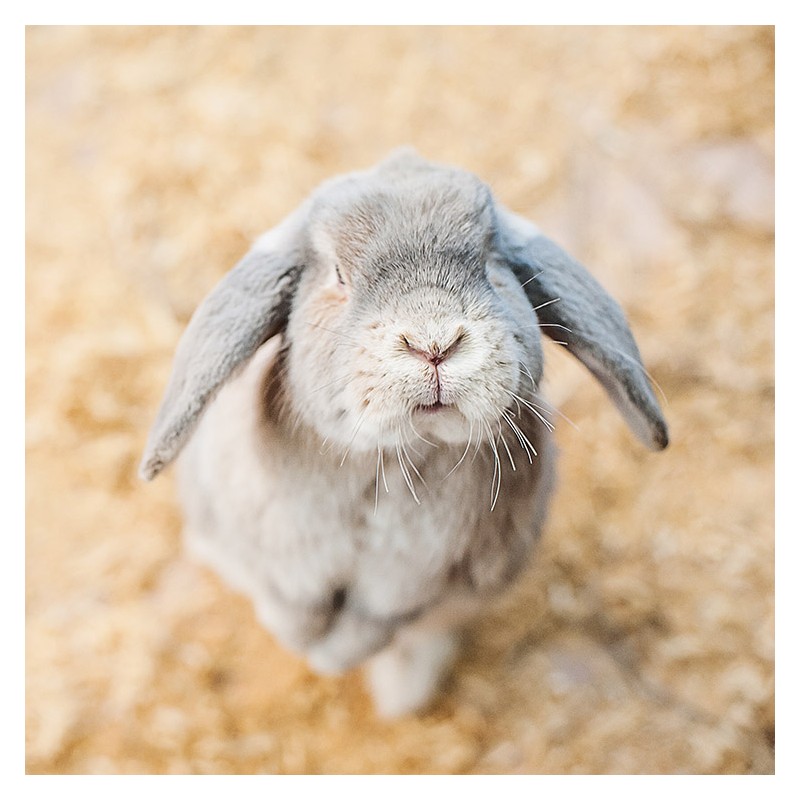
<point>351,639</point>
<point>298,625</point>
<point>405,676</point>
<point>332,636</point>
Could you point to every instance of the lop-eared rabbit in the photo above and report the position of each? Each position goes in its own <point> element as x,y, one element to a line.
<point>366,452</point>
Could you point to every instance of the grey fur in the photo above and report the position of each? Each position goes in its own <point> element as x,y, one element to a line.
<point>588,319</point>
<point>249,306</point>
<point>313,380</point>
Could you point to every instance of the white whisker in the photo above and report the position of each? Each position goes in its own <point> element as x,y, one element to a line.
<point>498,470</point>
<point>404,469</point>
<point>641,367</point>
<point>523,439</point>
<point>383,471</point>
<point>555,325</point>
<point>554,410</point>
<point>377,477</point>
<point>546,422</point>
<point>478,443</point>
<point>549,425</point>
<point>503,440</point>
<point>538,275</point>
<point>412,449</point>
<point>338,380</point>
<point>335,333</point>
<point>353,437</point>
<point>411,460</point>
<point>463,456</point>
<point>420,436</point>
<point>528,373</point>
<point>547,303</point>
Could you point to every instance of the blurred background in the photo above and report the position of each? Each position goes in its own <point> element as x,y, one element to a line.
<point>641,638</point>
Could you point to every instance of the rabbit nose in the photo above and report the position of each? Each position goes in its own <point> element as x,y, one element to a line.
<point>433,352</point>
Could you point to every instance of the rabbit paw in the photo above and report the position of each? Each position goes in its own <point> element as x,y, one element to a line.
<point>404,677</point>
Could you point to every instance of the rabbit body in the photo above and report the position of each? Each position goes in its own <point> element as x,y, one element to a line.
<point>371,458</point>
<point>336,564</point>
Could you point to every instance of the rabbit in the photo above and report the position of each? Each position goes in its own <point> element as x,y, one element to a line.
<point>366,451</point>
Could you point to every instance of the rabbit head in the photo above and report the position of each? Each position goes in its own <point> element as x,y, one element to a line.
<point>407,296</point>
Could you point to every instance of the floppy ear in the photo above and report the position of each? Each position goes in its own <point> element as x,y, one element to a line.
<point>574,308</point>
<point>250,305</point>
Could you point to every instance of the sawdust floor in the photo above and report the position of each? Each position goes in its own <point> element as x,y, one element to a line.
<point>641,639</point>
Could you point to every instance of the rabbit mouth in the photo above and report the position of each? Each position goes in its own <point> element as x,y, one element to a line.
<point>432,408</point>
<point>435,408</point>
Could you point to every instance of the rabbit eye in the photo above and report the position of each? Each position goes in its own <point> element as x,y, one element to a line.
<point>339,275</point>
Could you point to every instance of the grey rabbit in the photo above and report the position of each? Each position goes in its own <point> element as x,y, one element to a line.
<point>366,453</point>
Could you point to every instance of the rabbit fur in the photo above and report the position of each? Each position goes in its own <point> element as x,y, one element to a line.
<point>365,449</point>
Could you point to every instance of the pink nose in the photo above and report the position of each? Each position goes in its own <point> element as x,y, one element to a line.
<point>433,353</point>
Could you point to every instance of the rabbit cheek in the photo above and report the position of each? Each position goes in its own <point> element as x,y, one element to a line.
<point>484,374</point>
<point>319,363</point>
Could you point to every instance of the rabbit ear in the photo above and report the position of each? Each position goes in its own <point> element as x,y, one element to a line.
<point>250,305</point>
<point>574,308</point>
